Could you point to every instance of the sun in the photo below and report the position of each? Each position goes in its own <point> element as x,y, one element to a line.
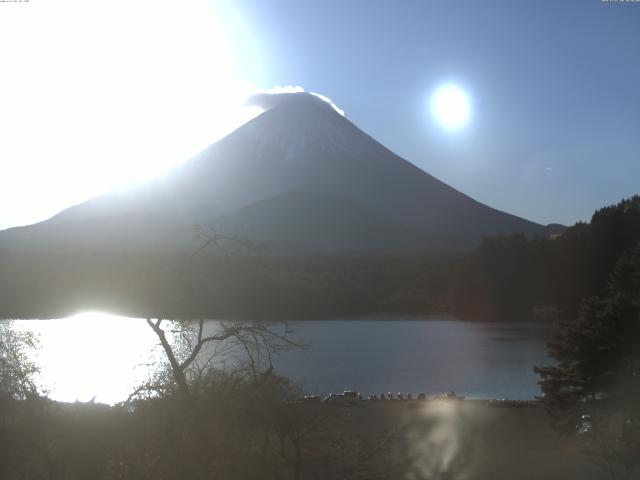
<point>450,106</point>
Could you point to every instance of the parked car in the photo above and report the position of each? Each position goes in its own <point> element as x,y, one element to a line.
<point>334,399</point>
<point>310,399</point>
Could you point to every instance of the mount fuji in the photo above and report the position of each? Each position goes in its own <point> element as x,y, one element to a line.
<point>299,179</point>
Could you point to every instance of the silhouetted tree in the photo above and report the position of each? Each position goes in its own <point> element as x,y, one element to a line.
<point>598,369</point>
<point>258,340</point>
<point>17,371</point>
<point>18,394</point>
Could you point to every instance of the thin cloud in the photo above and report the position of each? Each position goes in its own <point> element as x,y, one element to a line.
<point>267,99</point>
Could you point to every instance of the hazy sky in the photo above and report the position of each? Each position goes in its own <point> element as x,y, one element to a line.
<point>93,94</point>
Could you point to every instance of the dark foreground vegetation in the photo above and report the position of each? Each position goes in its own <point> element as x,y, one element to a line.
<point>228,430</point>
<point>239,437</point>
<point>239,427</point>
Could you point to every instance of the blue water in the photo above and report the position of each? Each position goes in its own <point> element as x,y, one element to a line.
<point>482,360</point>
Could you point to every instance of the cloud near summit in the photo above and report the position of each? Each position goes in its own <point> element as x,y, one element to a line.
<point>267,99</point>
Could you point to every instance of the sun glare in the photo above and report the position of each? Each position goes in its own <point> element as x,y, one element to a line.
<point>450,106</point>
<point>91,355</point>
<point>96,94</point>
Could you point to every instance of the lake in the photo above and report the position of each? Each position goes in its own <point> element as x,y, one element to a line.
<point>482,360</point>
<point>106,357</point>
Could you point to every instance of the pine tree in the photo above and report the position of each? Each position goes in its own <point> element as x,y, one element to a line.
<point>598,369</point>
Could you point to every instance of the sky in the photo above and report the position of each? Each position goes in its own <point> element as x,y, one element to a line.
<point>97,94</point>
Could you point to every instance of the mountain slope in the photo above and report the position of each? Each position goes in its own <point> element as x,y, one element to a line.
<point>302,144</point>
<point>298,222</point>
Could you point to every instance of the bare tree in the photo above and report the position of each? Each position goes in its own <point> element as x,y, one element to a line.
<point>259,341</point>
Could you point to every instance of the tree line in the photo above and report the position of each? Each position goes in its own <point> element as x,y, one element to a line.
<point>513,277</point>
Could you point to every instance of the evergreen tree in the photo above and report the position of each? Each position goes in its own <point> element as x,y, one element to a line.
<point>598,369</point>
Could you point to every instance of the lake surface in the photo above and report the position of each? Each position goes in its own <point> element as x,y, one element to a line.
<point>106,357</point>
<point>482,360</point>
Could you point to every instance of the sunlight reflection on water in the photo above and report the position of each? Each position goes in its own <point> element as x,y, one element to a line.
<point>93,355</point>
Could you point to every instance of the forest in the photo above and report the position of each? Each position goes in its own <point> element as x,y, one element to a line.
<point>514,278</point>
